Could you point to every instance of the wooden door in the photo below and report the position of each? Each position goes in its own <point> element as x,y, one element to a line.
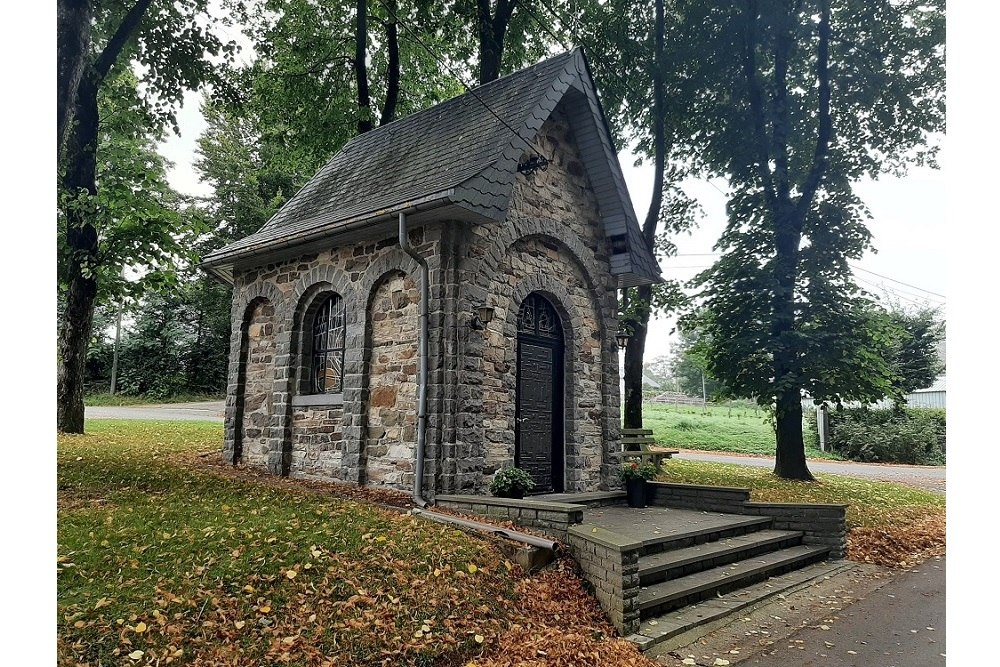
<point>538,435</point>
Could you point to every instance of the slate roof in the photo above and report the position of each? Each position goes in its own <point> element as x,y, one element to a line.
<point>458,153</point>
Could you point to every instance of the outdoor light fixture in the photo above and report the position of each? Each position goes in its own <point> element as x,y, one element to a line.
<point>533,164</point>
<point>623,337</point>
<point>482,317</point>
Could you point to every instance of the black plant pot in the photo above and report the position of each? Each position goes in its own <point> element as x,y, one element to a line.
<point>517,494</point>
<point>635,490</point>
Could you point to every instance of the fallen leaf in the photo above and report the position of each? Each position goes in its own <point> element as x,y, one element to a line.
<point>480,639</point>
<point>135,655</point>
<point>140,627</point>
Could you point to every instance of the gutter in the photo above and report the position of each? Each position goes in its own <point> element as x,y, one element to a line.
<point>425,294</point>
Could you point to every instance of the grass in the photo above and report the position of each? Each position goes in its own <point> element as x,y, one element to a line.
<point>889,524</point>
<point>106,399</point>
<point>742,430</point>
<point>163,561</point>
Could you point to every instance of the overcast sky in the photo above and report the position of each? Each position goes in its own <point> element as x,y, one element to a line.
<point>908,226</point>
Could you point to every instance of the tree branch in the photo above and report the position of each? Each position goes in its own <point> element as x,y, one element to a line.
<point>825,133</point>
<point>392,73</point>
<point>125,30</point>
<point>757,104</point>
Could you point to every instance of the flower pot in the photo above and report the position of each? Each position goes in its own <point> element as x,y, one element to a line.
<point>515,493</point>
<point>635,490</point>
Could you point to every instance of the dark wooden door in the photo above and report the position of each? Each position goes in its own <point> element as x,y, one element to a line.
<point>538,434</point>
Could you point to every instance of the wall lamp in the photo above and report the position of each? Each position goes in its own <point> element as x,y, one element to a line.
<point>482,317</point>
<point>623,336</point>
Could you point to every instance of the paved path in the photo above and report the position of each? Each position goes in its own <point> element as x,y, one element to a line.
<point>212,411</point>
<point>931,478</point>
<point>900,625</point>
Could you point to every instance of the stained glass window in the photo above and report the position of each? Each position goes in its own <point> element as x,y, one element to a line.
<point>328,347</point>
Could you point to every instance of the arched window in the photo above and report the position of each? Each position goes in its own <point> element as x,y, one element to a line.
<point>327,363</point>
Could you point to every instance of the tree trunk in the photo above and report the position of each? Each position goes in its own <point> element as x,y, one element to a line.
<point>492,31</point>
<point>636,348</point>
<point>790,454</point>
<point>361,68</point>
<point>392,73</point>
<point>634,353</point>
<point>73,19</point>
<point>81,235</point>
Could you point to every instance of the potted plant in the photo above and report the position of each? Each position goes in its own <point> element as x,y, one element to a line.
<point>635,475</point>
<point>511,483</point>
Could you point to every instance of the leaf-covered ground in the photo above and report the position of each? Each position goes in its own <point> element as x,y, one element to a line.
<point>888,524</point>
<point>166,560</point>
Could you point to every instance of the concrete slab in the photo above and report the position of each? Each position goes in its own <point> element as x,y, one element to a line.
<point>652,525</point>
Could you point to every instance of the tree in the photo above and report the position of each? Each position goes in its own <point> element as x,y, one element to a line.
<point>690,367</point>
<point>170,42</point>
<point>914,355</point>
<point>632,62</point>
<point>792,102</point>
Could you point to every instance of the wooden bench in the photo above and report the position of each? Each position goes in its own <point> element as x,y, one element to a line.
<point>638,444</point>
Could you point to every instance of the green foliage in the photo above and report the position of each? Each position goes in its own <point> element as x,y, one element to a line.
<point>914,355</point>
<point>511,481</point>
<point>635,470</point>
<point>689,365</point>
<point>145,228</point>
<point>912,435</point>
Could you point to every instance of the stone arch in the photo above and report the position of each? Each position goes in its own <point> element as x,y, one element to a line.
<point>388,443</point>
<point>308,292</point>
<point>585,418</point>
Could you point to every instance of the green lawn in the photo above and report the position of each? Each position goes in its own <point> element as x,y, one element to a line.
<point>163,559</point>
<point>715,428</point>
<point>169,561</point>
<point>888,523</point>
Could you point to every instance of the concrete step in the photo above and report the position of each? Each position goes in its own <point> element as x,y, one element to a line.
<point>683,626</point>
<point>587,499</point>
<point>730,526</point>
<point>676,593</point>
<point>676,563</point>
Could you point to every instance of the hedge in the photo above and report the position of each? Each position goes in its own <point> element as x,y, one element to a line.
<point>908,435</point>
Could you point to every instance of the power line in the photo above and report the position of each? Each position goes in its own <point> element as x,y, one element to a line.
<point>853,266</point>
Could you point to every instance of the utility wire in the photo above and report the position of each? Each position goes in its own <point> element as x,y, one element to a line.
<point>853,266</point>
<point>468,89</point>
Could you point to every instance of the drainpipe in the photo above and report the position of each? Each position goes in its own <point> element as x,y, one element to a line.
<point>425,294</point>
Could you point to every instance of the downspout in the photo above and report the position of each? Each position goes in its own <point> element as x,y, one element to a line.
<point>425,294</point>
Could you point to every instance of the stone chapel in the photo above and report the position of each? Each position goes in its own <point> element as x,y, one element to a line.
<point>439,301</point>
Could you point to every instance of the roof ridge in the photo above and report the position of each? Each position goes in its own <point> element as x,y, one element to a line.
<point>445,104</point>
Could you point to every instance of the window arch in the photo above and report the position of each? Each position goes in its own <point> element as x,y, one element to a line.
<point>326,361</point>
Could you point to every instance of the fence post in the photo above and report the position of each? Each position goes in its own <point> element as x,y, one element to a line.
<point>821,426</point>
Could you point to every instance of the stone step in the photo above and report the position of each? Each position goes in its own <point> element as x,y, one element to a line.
<point>676,563</point>
<point>691,588</point>
<point>729,526</point>
<point>684,626</point>
<point>587,499</point>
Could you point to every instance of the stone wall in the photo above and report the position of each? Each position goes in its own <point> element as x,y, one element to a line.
<point>613,572</point>
<point>259,375</point>
<point>552,243</point>
<point>317,446</point>
<point>392,398</point>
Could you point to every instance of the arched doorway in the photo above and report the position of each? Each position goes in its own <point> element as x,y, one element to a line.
<point>538,434</point>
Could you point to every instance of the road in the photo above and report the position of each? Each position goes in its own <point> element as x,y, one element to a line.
<point>211,411</point>
<point>931,478</point>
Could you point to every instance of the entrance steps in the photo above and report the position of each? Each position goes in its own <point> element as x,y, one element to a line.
<point>650,566</point>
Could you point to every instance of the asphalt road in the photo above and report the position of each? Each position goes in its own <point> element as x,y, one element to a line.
<point>212,411</point>
<point>902,624</point>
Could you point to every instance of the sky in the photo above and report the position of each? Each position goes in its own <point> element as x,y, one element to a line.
<point>909,221</point>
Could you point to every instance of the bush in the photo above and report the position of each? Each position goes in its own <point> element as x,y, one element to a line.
<point>911,435</point>
<point>511,483</point>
